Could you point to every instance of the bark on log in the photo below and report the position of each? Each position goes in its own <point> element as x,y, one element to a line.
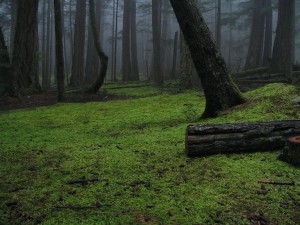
<point>291,153</point>
<point>204,140</point>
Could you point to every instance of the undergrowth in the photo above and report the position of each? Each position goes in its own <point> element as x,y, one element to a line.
<point>135,148</point>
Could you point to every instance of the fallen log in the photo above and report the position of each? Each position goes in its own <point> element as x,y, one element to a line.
<point>204,140</point>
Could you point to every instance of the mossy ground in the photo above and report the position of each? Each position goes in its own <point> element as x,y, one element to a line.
<point>136,149</point>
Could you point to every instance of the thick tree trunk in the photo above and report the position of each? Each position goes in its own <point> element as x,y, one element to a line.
<point>291,153</point>
<point>283,58</point>
<point>135,66</point>
<point>59,51</point>
<point>92,60</point>
<point>102,56</point>
<point>126,56</point>
<point>77,77</point>
<point>13,25</point>
<point>24,54</point>
<point>220,91</point>
<point>5,68</point>
<point>156,27</point>
<point>240,137</point>
<point>254,56</point>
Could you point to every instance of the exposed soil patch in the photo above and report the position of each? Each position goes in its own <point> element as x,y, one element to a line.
<point>49,98</point>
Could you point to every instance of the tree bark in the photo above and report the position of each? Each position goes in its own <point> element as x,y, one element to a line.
<point>92,61</point>
<point>283,58</point>
<point>59,51</point>
<point>77,77</point>
<point>135,66</point>
<point>156,30</point>
<point>255,50</point>
<point>5,68</point>
<point>102,56</point>
<point>126,56</point>
<point>220,91</point>
<point>240,137</point>
<point>173,74</point>
<point>268,43</point>
<point>24,54</point>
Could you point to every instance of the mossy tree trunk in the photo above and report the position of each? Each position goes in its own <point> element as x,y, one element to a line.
<point>102,56</point>
<point>220,91</point>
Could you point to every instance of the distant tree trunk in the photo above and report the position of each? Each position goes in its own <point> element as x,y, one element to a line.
<point>59,51</point>
<point>156,27</point>
<point>44,72</point>
<point>164,37</point>
<point>24,54</point>
<point>116,43</point>
<point>13,24</point>
<point>134,65</point>
<point>173,74</point>
<point>92,61</point>
<point>268,43</point>
<point>35,73</point>
<point>46,78</point>
<point>5,68</point>
<point>102,56</point>
<point>218,24</point>
<point>77,77</point>
<point>283,58</point>
<point>254,56</point>
<point>126,56</point>
<point>220,91</point>
<point>186,65</point>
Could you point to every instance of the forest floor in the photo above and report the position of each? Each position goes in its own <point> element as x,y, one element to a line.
<point>134,149</point>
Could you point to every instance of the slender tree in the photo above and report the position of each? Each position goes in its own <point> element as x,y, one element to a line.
<point>92,61</point>
<point>220,91</point>
<point>135,66</point>
<point>77,77</point>
<point>5,68</point>
<point>126,56</point>
<point>268,43</point>
<point>59,50</point>
<point>102,56</point>
<point>25,52</point>
<point>218,23</point>
<point>173,74</point>
<point>156,27</point>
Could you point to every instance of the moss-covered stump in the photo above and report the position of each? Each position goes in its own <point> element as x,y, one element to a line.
<point>291,152</point>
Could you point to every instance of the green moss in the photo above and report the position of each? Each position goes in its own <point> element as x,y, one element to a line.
<point>136,149</point>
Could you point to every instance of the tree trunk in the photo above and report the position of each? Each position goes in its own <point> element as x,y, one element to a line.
<point>116,43</point>
<point>173,74</point>
<point>291,153</point>
<point>59,51</point>
<point>254,56</point>
<point>240,137</point>
<point>5,68</point>
<point>92,61</point>
<point>186,65</point>
<point>156,9</point>
<point>220,91</point>
<point>268,43</point>
<point>46,76</point>
<point>77,77</point>
<point>218,24</point>
<point>283,58</point>
<point>102,56</point>
<point>24,54</point>
<point>126,56</point>
<point>13,25</point>
<point>134,66</point>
